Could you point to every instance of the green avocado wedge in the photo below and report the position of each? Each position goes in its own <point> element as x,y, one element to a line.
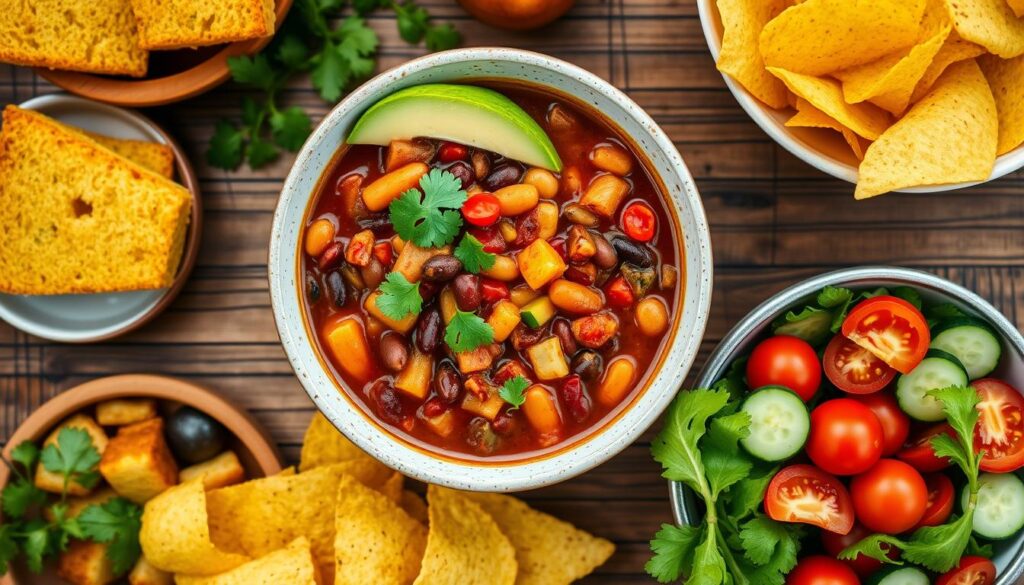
<point>466,114</point>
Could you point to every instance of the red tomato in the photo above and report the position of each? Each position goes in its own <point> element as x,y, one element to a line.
<point>619,293</point>
<point>970,571</point>
<point>451,152</point>
<point>854,369</point>
<point>891,497</point>
<point>940,500</point>
<point>482,209</point>
<point>639,222</point>
<point>1000,430</point>
<point>821,570</point>
<point>493,290</point>
<point>845,437</point>
<point>918,452</point>
<point>892,329</point>
<point>787,361</point>
<point>384,252</point>
<point>862,565</point>
<point>895,423</point>
<point>491,238</point>
<point>807,495</point>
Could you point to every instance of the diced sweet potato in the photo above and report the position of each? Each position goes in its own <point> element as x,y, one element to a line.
<point>478,360</point>
<point>482,398</point>
<point>85,563</point>
<point>125,411</point>
<point>146,574</point>
<point>403,152</point>
<point>53,482</point>
<point>403,325</point>
<point>593,331</point>
<point>605,194</point>
<point>540,263</point>
<point>221,471</point>
<point>347,342</point>
<point>137,463</point>
<point>504,318</point>
<point>414,379</point>
<point>412,258</point>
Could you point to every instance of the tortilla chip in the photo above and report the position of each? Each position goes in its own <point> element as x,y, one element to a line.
<point>175,536</point>
<point>826,94</point>
<point>1017,6</point>
<point>1006,79</point>
<point>324,444</point>
<point>464,545</point>
<point>954,50</point>
<point>742,21</point>
<point>823,36</point>
<point>375,541</point>
<point>808,116</point>
<point>950,136</point>
<point>548,550</point>
<point>414,506</point>
<point>392,488</point>
<point>292,564</point>
<point>989,23</point>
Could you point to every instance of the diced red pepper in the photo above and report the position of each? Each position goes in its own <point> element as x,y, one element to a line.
<point>493,290</point>
<point>384,252</point>
<point>491,238</point>
<point>451,152</point>
<point>619,293</point>
<point>575,399</point>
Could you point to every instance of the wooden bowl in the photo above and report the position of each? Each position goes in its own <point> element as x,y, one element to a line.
<point>173,75</point>
<point>248,440</point>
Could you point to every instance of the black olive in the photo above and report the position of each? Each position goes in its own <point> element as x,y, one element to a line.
<point>193,436</point>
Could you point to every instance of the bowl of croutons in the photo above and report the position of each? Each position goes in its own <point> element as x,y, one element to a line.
<point>78,472</point>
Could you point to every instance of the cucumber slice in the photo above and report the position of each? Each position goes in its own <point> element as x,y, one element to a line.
<point>1000,511</point>
<point>899,576</point>
<point>938,369</point>
<point>779,423</point>
<point>972,341</point>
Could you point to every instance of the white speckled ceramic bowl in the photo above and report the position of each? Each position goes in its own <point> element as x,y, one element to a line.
<point>623,425</point>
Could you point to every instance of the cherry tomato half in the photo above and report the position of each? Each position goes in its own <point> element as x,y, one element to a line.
<point>821,570</point>
<point>807,495</point>
<point>482,209</point>
<point>639,222</point>
<point>895,423</point>
<point>845,437</point>
<point>970,571</point>
<point>862,565</point>
<point>784,360</point>
<point>493,290</point>
<point>940,500</point>
<point>891,497</point>
<point>451,152</point>
<point>1000,430</point>
<point>853,369</point>
<point>919,453</point>
<point>890,328</point>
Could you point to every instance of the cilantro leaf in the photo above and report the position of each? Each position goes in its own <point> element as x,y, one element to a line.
<point>116,522</point>
<point>441,37</point>
<point>513,391</point>
<point>36,544</point>
<point>290,128</point>
<point>675,447</point>
<point>399,298</point>
<point>225,151</point>
<point>330,73</point>
<point>943,311</point>
<point>467,331</point>
<point>251,111</point>
<point>292,52</point>
<point>26,454</point>
<point>8,546</point>
<point>359,39</point>
<point>812,324</point>
<point>960,403</point>
<point>673,547</point>
<point>724,464</point>
<point>260,152</point>
<point>366,6</point>
<point>908,294</point>
<point>734,381</point>
<point>976,549</point>
<point>252,71</point>
<point>763,537</point>
<point>74,457</point>
<point>472,254</point>
<point>708,565</point>
<point>412,22</point>
<point>746,495</point>
<point>19,496</point>
<point>831,297</point>
<point>421,220</point>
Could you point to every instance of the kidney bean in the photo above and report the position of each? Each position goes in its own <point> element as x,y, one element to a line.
<point>428,290</point>
<point>563,331</point>
<point>451,152</point>
<point>580,215</point>
<point>336,288</point>
<point>394,351</point>
<point>441,268</point>
<point>633,253</point>
<point>605,255</point>
<point>447,383</point>
<point>575,399</point>
<point>527,229</point>
<point>462,172</point>
<point>559,245</point>
<point>331,256</point>
<point>523,337</point>
<point>373,273</point>
<point>351,275</point>
<point>428,330</point>
<point>503,424</point>
<point>588,365</point>
<point>481,436</point>
<point>491,238</point>
<point>387,402</point>
<point>312,289</point>
<point>502,176</point>
<point>378,223</point>
<point>467,291</point>
<point>434,408</point>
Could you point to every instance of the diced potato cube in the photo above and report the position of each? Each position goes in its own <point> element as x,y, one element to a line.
<point>477,360</point>
<point>137,462</point>
<point>605,194</point>
<point>54,482</point>
<point>403,325</point>
<point>85,563</point>
<point>125,411</point>
<point>504,318</point>
<point>448,305</point>
<point>548,360</point>
<point>414,379</point>
<point>442,424</point>
<point>347,342</point>
<point>481,398</point>
<point>221,471</point>
<point>412,258</point>
<point>146,574</point>
<point>539,263</point>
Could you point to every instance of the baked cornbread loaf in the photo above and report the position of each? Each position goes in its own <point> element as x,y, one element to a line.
<point>97,36</point>
<point>77,218</point>
<point>156,157</point>
<point>174,24</point>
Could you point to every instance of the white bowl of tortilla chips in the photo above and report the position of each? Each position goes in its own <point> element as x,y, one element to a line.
<point>893,95</point>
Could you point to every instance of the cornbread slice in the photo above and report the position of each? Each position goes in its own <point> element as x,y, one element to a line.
<point>97,36</point>
<point>154,156</point>
<point>77,218</point>
<point>174,24</point>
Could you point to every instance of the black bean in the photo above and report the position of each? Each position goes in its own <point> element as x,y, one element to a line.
<point>312,289</point>
<point>633,253</point>
<point>447,383</point>
<point>503,176</point>
<point>428,330</point>
<point>441,268</point>
<point>336,288</point>
<point>467,291</point>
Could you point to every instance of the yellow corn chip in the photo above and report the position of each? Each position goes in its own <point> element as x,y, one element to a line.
<point>548,550</point>
<point>324,445</point>
<point>989,23</point>
<point>175,536</point>
<point>954,50</point>
<point>826,94</point>
<point>392,488</point>
<point>464,545</point>
<point>1006,78</point>
<point>742,21</point>
<point>292,565</point>
<point>414,506</point>
<point>1017,6</point>
<point>949,136</point>
<point>808,116</point>
<point>375,541</point>
<point>823,36</point>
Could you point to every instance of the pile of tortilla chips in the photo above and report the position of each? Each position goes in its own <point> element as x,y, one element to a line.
<point>924,92</point>
<point>346,519</point>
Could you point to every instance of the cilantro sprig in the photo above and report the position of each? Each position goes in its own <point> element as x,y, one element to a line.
<point>513,391</point>
<point>467,331</point>
<point>399,298</point>
<point>430,219</point>
<point>472,254</point>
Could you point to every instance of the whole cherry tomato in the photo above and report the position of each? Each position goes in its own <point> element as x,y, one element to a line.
<point>895,423</point>
<point>853,369</point>
<point>1000,430</point>
<point>918,451</point>
<point>784,360</point>
<point>821,570</point>
<point>482,209</point>
<point>940,500</point>
<point>451,152</point>
<point>891,497</point>
<point>845,437</point>
<point>970,571</point>
<point>807,495</point>
<point>639,222</point>
<point>890,328</point>
<point>862,565</point>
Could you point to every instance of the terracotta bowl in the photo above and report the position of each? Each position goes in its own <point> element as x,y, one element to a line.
<point>249,440</point>
<point>173,75</point>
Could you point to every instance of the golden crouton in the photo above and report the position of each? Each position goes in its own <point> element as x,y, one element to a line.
<point>146,574</point>
<point>85,563</point>
<point>221,471</point>
<point>76,505</point>
<point>137,462</point>
<point>118,412</point>
<point>54,482</point>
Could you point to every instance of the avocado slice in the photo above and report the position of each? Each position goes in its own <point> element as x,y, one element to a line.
<point>466,114</point>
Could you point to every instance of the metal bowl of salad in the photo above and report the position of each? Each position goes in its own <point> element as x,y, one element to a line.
<point>862,415</point>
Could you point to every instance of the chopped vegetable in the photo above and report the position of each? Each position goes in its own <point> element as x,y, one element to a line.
<point>403,325</point>
<point>415,378</point>
<point>482,398</point>
<point>538,312</point>
<point>346,340</point>
<point>411,259</point>
<point>504,318</point>
<point>548,360</point>
<point>539,264</point>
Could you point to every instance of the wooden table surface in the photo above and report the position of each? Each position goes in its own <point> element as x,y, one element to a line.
<point>774,221</point>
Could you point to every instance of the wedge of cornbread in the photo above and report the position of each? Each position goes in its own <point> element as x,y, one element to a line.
<point>97,36</point>
<point>75,217</point>
<point>156,157</point>
<point>175,24</point>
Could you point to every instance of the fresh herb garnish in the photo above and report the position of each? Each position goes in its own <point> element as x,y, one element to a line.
<point>399,298</point>
<point>431,220</point>
<point>467,331</point>
<point>472,254</point>
<point>116,522</point>
<point>74,457</point>
<point>513,391</point>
